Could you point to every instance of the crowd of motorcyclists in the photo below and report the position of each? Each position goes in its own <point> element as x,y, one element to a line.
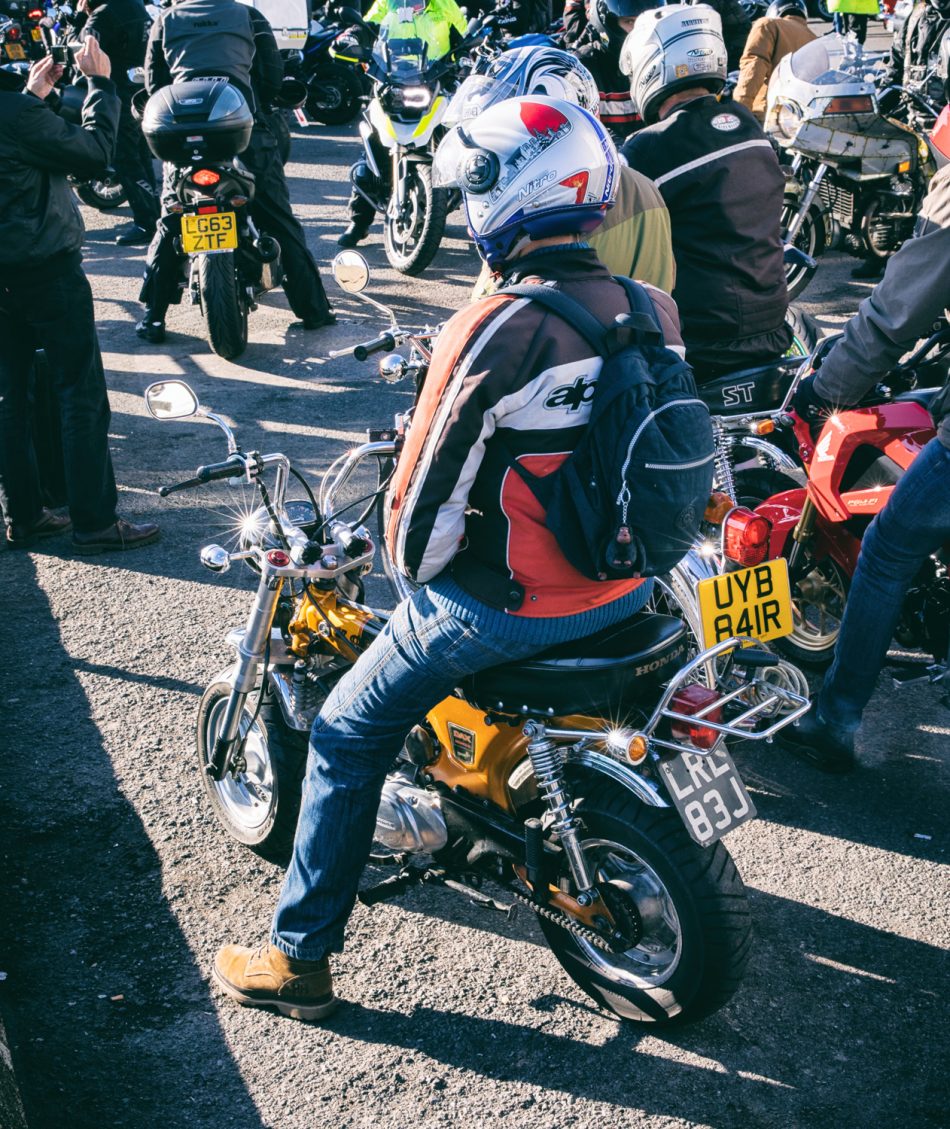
<point>651,167</point>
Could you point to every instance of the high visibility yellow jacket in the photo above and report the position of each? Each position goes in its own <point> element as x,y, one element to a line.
<point>854,7</point>
<point>432,25</point>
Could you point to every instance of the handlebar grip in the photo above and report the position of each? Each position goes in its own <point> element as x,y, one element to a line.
<point>230,468</point>
<point>377,345</point>
<point>188,484</point>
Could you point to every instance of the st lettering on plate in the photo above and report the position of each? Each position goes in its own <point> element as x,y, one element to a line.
<point>750,601</point>
<point>708,793</point>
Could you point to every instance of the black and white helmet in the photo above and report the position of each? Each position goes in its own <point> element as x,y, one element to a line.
<point>605,17</point>
<point>670,49</point>
<point>520,71</point>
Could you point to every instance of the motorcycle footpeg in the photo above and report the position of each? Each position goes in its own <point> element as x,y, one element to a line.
<point>475,897</point>
<point>390,888</point>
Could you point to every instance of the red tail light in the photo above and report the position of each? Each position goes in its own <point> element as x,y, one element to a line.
<point>35,13</point>
<point>690,700</point>
<point>206,177</point>
<point>745,536</point>
<point>13,32</point>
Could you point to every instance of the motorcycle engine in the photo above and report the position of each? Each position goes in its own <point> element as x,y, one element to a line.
<point>889,218</point>
<point>409,817</point>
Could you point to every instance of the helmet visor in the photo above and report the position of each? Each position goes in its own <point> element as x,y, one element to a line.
<point>475,95</point>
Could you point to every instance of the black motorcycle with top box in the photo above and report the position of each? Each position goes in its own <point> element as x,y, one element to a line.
<point>200,128</point>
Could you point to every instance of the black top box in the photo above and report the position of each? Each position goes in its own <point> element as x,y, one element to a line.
<point>204,119</point>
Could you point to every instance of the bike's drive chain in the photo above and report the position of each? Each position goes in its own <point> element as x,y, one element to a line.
<point>565,922</point>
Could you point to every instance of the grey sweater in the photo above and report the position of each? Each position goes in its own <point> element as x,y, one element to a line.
<point>904,307</point>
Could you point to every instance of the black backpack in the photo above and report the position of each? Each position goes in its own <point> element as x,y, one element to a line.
<point>628,501</point>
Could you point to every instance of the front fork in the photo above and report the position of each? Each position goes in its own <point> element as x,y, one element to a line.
<point>807,200</point>
<point>251,651</point>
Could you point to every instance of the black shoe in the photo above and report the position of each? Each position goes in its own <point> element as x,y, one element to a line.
<point>133,236</point>
<point>354,234</point>
<point>120,537</point>
<point>818,744</point>
<point>870,268</point>
<point>47,524</point>
<point>151,331</point>
<point>314,323</point>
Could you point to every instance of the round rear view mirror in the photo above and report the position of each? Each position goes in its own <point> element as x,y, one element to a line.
<point>170,399</point>
<point>351,271</point>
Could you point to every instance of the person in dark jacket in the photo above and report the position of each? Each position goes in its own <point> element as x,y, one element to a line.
<point>736,26</point>
<point>46,302</point>
<point>722,184</point>
<point>913,295</point>
<point>197,38</point>
<point>915,58</point>
<point>121,26</point>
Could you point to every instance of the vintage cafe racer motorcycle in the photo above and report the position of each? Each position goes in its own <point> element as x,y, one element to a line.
<point>590,783</point>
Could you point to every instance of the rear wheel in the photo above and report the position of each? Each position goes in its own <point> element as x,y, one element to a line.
<point>102,194</point>
<point>754,485</point>
<point>258,802</point>
<point>683,905</point>
<point>805,333</point>
<point>333,94</point>
<point>413,236</point>
<point>224,307</point>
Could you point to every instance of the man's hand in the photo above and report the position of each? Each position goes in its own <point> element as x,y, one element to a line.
<point>92,60</point>
<point>43,77</point>
<point>808,404</point>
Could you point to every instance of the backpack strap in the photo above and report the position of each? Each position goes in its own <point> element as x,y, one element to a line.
<point>567,308</point>
<point>643,317</point>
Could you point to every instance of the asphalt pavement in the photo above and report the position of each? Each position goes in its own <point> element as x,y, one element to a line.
<point>119,885</point>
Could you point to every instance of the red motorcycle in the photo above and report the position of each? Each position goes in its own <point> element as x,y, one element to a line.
<point>853,466</point>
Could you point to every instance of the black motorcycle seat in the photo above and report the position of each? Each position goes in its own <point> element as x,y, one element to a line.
<point>597,674</point>
<point>759,389</point>
<point>923,396</point>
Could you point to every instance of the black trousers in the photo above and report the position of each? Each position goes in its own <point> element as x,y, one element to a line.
<point>134,170</point>
<point>50,307</point>
<point>271,211</point>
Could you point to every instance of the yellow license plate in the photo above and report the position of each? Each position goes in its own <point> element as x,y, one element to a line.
<point>205,234</point>
<point>751,601</point>
<point>36,33</point>
<point>15,51</point>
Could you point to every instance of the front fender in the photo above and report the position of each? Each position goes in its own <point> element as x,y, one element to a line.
<point>784,510</point>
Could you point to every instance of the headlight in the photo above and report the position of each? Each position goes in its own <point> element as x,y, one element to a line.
<point>787,119</point>
<point>416,97</point>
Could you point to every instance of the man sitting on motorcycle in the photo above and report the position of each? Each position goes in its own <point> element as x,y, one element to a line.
<point>440,25</point>
<point>507,380</point>
<point>634,239</point>
<point>911,298</point>
<point>721,180</point>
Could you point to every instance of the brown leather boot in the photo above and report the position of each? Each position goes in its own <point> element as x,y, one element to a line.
<point>266,977</point>
<point>47,524</point>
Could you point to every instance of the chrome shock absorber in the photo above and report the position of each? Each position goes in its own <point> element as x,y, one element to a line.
<point>548,762</point>
<point>725,479</point>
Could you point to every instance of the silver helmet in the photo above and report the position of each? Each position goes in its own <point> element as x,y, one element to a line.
<point>670,49</point>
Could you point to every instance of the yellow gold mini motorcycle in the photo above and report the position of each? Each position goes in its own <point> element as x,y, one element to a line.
<point>590,783</point>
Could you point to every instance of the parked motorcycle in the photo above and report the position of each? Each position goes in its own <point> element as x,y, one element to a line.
<point>853,467</point>
<point>403,118</point>
<point>200,127</point>
<point>858,174</point>
<point>335,91</point>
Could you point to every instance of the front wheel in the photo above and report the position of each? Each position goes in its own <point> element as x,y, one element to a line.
<point>258,802</point>
<point>819,594</point>
<point>686,904</point>
<point>223,304</point>
<point>413,235</point>
<point>810,239</point>
<point>333,94</point>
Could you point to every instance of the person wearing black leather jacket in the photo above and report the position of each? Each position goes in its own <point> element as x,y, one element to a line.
<point>912,297</point>
<point>121,26</point>
<point>46,302</point>
<point>915,52</point>
<point>196,38</point>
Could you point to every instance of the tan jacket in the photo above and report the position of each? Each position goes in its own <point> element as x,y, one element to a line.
<point>770,40</point>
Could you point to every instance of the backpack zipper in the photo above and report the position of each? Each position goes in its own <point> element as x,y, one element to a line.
<point>680,466</point>
<point>623,498</point>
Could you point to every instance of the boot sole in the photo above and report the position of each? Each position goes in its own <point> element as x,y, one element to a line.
<point>307,1012</point>
<point>114,546</point>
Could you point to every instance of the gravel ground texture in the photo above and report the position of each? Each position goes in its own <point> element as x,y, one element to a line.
<point>119,885</point>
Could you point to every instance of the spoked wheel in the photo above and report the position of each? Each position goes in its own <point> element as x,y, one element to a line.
<point>102,194</point>
<point>414,234</point>
<point>810,239</point>
<point>819,593</point>
<point>258,802</point>
<point>682,907</point>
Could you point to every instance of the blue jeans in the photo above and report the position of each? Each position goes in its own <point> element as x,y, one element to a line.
<point>913,524</point>
<point>418,659</point>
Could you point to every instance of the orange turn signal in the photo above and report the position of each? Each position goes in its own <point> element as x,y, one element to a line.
<point>763,427</point>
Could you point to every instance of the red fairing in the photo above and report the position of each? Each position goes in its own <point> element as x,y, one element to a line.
<point>782,511</point>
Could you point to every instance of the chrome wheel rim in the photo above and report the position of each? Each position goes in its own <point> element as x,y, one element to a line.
<point>247,797</point>
<point>656,956</point>
<point>818,600</point>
